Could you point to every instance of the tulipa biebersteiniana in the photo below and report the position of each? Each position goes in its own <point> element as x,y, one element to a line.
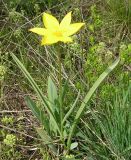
<point>53,120</point>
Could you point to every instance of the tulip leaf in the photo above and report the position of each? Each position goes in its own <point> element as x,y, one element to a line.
<point>36,89</point>
<point>87,98</point>
<point>52,94</point>
<point>38,113</point>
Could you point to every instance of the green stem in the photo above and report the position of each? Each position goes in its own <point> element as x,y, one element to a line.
<point>60,92</point>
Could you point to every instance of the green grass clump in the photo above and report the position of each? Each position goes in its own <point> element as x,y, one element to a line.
<point>107,131</point>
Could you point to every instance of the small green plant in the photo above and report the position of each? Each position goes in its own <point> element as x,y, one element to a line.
<point>8,148</point>
<point>51,113</point>
<point>7,120</point>
<point>125,50</point>
<point>10,140</point>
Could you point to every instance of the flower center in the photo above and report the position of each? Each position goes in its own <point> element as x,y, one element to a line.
<point>58,34</point>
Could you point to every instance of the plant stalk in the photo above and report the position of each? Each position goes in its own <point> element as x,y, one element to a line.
<point>60,92</point>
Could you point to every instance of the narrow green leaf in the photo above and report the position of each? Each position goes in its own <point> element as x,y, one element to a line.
<point>38,113</point>
<point>33,107</point>
<point>87,98</point>
<point>53,97</point>
<point>71,109</point>
<point>36,88</point>
<point>52,94</point>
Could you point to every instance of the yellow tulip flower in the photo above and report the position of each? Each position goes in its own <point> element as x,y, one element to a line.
<point>55,31</point>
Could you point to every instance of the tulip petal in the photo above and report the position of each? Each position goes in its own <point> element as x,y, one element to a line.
<point>50,21</point>
<point>66,20</point>
<point>54,32</point>
<point>73,28</point>
<point>65,39</point>
<point>49,39</point>
<point>40,31</point>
